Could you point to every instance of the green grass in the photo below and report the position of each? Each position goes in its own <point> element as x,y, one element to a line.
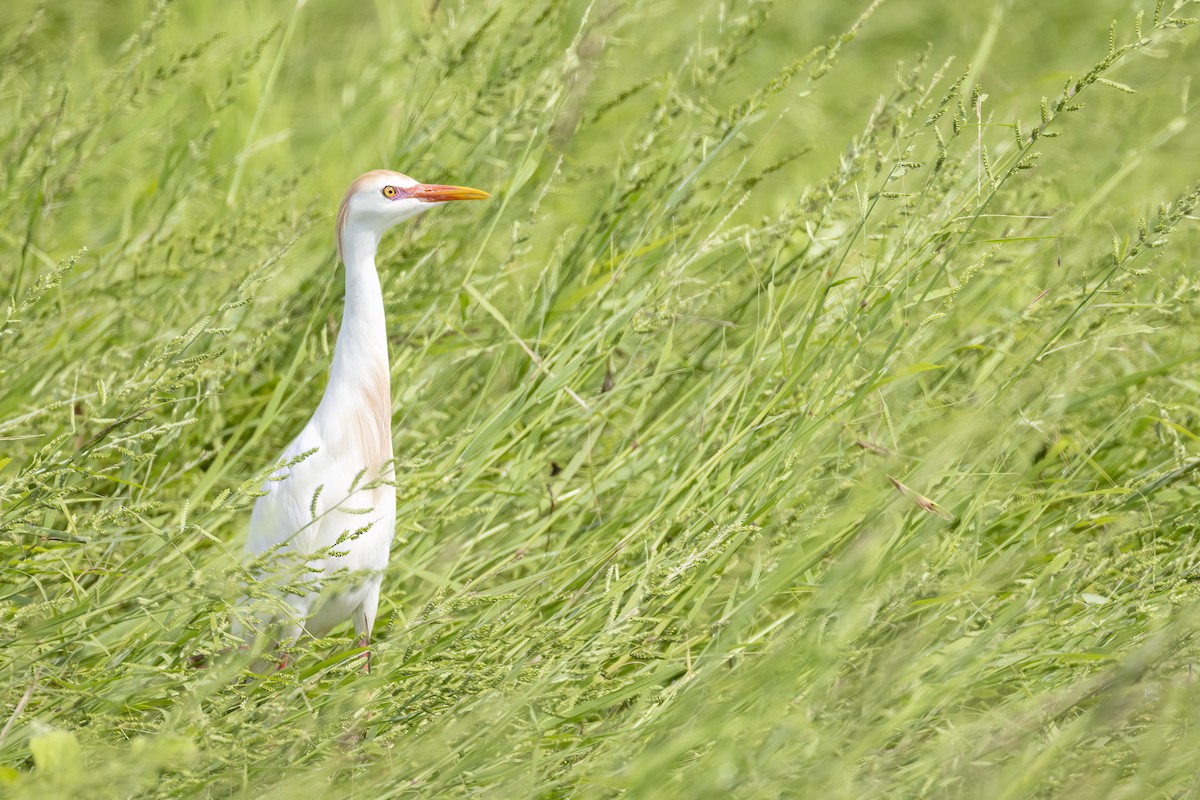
<point>811,413</point>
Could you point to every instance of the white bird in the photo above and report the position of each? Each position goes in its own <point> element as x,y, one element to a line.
<point>335,508</point>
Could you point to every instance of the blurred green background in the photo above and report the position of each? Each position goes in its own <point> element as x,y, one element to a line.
<point>355,87</point>
<point>876,472</point>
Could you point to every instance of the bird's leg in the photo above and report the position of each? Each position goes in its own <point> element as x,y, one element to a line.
<point>364,619</point>
<point>364,641</point>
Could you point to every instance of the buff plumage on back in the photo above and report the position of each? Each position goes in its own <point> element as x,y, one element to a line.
<point>373,421</point>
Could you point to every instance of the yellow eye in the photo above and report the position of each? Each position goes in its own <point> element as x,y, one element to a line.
<point>390,192</point>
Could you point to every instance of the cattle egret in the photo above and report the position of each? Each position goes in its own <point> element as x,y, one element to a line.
<point>335,508</point>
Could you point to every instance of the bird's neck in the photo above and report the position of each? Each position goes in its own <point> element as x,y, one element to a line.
<point>358,398</point>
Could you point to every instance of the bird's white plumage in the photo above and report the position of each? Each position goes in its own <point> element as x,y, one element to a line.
<point>332,504</point>
<point>345,503</point>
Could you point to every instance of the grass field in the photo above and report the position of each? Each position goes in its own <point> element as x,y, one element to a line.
<point>812,412</point>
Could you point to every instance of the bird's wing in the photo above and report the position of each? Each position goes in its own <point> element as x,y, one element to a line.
<point>290,511</point>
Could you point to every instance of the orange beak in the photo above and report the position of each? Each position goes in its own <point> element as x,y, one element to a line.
<point>436,193</point>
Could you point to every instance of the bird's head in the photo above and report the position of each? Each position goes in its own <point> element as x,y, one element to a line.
<point>379,199</point>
